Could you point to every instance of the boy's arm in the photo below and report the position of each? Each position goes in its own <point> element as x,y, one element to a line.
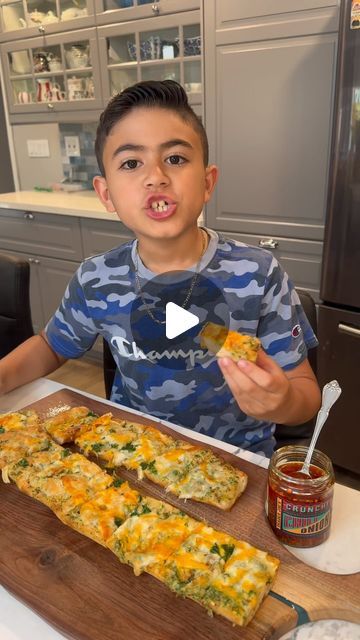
<point>266,392</point>
<point>32,359</point>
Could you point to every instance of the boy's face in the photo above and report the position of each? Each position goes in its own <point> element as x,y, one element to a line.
<point>152,156</point>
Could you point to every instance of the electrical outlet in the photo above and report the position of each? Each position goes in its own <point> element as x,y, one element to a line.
<point>72,146</point>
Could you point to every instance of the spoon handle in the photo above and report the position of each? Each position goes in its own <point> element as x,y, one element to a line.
<point>330,394</point>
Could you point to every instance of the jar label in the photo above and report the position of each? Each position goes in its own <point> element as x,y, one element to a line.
<point>296,520</point>
<point>302,519</point>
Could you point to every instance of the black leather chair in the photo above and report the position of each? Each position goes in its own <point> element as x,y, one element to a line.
<point>301,434</point>
<point>284,434</point>
<point>15,315</point>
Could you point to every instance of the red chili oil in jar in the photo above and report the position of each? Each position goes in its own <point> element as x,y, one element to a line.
<point>299,508</point>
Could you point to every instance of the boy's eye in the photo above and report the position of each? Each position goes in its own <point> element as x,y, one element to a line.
<point>129,164</point>
<point>176,159</point>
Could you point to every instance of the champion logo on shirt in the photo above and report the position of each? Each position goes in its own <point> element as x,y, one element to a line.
<point>296,330</point>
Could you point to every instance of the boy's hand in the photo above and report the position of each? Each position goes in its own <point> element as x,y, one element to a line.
<point>264,391</point>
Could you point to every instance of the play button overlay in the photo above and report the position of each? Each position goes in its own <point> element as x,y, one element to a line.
<point>166,322</point>
<point>178,320</point>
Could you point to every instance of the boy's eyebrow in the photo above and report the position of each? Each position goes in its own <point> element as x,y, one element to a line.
<point>176,142</point>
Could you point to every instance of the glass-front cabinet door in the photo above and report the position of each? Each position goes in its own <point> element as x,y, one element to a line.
<point>166,49</point>
<point>110,11</point>
<point>24,18</point>
<point>53,73</point>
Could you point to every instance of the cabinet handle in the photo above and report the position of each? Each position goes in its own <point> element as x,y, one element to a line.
<point>50,105</point>
<point>28,216</point>
<point>349,330</point>
<point>155,8</point>
<point>41,29</point>
<point>268,243</point>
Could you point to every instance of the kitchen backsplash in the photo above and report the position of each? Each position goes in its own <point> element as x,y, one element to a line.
<point>85,167</point>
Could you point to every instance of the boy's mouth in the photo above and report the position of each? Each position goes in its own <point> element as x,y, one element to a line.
<point>160,207</point>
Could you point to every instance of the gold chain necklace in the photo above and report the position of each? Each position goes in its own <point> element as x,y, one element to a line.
<point>194,279</point>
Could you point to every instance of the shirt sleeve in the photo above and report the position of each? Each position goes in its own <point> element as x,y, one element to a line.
<point>284,330</point>
<point>71,331</point>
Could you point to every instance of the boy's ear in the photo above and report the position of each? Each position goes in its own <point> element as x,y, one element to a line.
<point>211,176</point>
<point>101,188</point>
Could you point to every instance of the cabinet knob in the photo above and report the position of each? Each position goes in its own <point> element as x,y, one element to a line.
<point>31,260</point>
<point>28,216</point>
<point>41,29</point>
<point>155,8</point>
<point>268,243</point>
<point>36,261</point>
<point>50,105</point>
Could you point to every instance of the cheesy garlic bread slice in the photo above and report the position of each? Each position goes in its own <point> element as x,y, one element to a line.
<point>110,440</point>
<point>152,536</point>
<point>198,474</point>
<point>68,424</point>
<point>14,445</point>
<point>223,343</point>
<point>219,572</point>
<point>19,420</point>
<point>99,517</point>
<point>61,484</point>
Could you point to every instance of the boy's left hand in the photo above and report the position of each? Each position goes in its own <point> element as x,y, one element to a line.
<point>264,391</point>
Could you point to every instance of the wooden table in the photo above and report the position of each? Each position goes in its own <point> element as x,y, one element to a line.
<point>82,589</point>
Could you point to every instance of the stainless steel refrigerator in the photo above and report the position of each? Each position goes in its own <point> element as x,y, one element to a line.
<point>339,314</point>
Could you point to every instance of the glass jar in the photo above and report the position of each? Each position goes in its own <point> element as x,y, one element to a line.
<point>299,508</point>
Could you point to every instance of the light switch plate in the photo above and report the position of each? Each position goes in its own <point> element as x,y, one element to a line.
<point>38,148</point>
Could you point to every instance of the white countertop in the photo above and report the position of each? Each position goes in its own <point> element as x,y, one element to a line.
<point>84,204</point>
<point>18,622</point>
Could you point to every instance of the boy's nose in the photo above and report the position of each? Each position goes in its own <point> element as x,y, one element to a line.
<point>156,177</point>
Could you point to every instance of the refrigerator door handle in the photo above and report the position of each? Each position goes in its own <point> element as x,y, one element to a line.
<point>349,330</point>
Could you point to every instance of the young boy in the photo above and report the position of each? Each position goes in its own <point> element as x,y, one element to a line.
<point>153,156</point>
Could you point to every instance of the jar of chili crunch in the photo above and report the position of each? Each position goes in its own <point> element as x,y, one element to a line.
<point>299,508</point>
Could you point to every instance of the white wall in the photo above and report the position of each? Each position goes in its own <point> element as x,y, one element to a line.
<point>37,172</point>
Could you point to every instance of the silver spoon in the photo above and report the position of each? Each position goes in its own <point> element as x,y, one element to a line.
<point>330,394</point>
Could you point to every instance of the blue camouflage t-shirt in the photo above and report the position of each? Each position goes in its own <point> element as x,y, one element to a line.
<point>181,382</point>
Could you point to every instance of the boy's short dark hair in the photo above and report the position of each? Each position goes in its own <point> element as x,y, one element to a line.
<point>165,94</point>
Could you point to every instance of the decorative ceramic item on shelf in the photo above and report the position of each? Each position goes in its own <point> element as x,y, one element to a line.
<point>40,17</point>
<point>40,61</point>
<point>20,62</point>
<point>75,88</point>
<point>89,87</point>
<point>54,62</point>
<point>43,88</point>
<point>72,13</point>
<point>77,56</point>
<point>24,97</point>
<point>56,94</point>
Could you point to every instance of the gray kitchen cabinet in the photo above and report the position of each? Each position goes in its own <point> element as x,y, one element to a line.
<point>269,91</point>
<point>39,233</point>
<point>52,74</point>
<point>115,11</point>
<point>301,259</point>
<point>166,48</point>
<point>54,245</point>
<point>21,19</point>
<point>248,14</point>
<point>99,236</point>
<point>54,276</point>
<point>48,280</point>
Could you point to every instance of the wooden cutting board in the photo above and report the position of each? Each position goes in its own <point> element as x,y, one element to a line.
<point>86,593</point>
